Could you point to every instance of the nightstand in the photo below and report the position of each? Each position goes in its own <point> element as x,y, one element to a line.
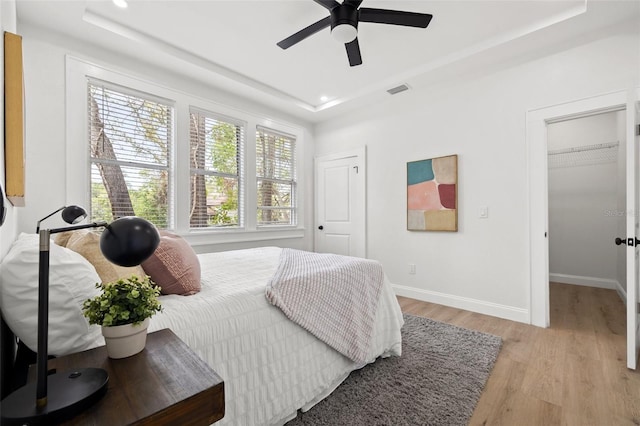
<point>166,383</point>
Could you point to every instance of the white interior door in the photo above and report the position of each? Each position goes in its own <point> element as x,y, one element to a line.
<point>632,231</point>
<point>340,204</point>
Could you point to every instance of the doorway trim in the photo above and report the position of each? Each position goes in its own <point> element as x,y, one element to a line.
<point>536,141</point>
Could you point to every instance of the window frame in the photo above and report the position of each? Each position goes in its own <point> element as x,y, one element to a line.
<point>241,169</point>
<point>293,181</point>
<point>169,168</point>
<point>79,71</point>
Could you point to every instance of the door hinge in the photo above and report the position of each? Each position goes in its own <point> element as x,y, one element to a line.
<point>638,130</point>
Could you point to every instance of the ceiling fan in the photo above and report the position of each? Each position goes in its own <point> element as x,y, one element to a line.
<point>344,18</point>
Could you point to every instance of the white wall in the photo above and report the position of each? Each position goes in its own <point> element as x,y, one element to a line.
<point>9,230</point>
<point>583,202</point>
<point>44,57</point>
<point>485,265</point>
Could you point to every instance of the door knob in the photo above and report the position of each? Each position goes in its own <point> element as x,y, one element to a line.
<point>321,227</point>
<point>631,242</point>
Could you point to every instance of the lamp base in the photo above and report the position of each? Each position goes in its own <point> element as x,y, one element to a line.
<point>68,394</point>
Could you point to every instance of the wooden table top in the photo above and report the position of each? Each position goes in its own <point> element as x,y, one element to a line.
<point>166,383</point>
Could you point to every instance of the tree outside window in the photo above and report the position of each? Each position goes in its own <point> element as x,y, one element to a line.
<point>276,180</point>
<point>130,139</point>
<point>216,157</point>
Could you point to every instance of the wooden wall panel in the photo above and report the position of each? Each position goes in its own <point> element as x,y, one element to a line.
<point>14,119</point>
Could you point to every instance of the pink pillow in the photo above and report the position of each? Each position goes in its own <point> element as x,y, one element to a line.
<point>174,266</point>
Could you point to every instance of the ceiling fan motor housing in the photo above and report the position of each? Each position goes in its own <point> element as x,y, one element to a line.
<point>344,14</point>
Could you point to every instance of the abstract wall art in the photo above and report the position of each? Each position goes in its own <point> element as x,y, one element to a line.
<point>432,194</point>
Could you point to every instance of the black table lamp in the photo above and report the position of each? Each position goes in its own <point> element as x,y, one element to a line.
<point>53,398</point>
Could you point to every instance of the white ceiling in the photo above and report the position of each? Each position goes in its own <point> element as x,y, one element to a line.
<point>232,44</point>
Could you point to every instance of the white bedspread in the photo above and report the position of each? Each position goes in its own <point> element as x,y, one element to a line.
<point>271,366</point>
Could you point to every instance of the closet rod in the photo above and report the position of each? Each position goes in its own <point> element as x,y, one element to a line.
<point>585,148</point>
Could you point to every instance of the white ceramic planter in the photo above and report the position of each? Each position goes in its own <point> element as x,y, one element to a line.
<point>125,340</point>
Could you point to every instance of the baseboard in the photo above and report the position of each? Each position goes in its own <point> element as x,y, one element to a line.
<point>468,304</point>
<point>585,281</point>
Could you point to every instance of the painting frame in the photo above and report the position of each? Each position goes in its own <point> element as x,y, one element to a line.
<point>432,194</point>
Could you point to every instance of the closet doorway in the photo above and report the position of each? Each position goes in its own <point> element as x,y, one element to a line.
<point>587,200</point>
<point>538,121</point>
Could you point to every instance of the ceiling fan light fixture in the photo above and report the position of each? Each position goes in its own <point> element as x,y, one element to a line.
<point>344,19</point>
<point>344,33</point>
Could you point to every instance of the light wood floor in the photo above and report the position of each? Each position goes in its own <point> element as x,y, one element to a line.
<point>573,373</point>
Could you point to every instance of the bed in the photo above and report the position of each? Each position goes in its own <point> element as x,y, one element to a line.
<point>271,366</point>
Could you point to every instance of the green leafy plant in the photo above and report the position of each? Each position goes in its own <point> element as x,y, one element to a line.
<point>125,301</point>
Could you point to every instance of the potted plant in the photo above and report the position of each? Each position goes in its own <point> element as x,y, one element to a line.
<point>123,310</point>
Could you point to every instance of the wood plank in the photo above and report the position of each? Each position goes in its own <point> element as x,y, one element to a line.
<point>14,119</point>
<point>544,374</point>
<point>585,401</point>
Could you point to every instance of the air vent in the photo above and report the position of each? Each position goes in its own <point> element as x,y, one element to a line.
<point>398,89</point>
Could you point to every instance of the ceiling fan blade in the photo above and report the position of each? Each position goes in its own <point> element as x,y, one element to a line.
<point>353,52</point>
<point>304,33</point>
<point>395,17</point>
<point>353,3</point>
<point>328,4</point>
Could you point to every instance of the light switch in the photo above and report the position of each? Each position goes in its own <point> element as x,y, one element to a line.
<point>484,212</point>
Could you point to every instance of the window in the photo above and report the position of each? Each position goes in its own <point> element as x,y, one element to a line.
<point>185,162</point>
<point>216,152</point>
<point>130,136</point>
<point>276,178</point>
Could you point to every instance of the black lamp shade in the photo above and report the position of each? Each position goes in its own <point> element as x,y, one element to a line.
<point>73,214</point>
<point>129,241</point>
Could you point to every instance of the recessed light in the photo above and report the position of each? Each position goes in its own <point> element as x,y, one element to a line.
<point>120,3</point>
<point>324,98</point>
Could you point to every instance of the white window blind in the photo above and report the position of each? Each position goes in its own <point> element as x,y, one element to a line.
<point>276,178</point>
<point>217,149</point>
<point>130,135</point>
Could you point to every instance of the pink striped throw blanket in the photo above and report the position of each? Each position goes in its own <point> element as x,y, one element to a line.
<point>333,297</point>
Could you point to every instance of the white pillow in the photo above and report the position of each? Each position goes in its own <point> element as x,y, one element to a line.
<point>72,280</point>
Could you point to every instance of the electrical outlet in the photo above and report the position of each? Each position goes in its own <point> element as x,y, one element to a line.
<point>412,269</point>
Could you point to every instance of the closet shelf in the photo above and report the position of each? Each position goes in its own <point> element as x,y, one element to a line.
<point>601,153</point>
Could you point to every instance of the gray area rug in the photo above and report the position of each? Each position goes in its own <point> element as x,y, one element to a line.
<point>437,380</point>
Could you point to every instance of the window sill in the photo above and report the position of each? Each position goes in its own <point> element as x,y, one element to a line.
<point>225,236</point>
